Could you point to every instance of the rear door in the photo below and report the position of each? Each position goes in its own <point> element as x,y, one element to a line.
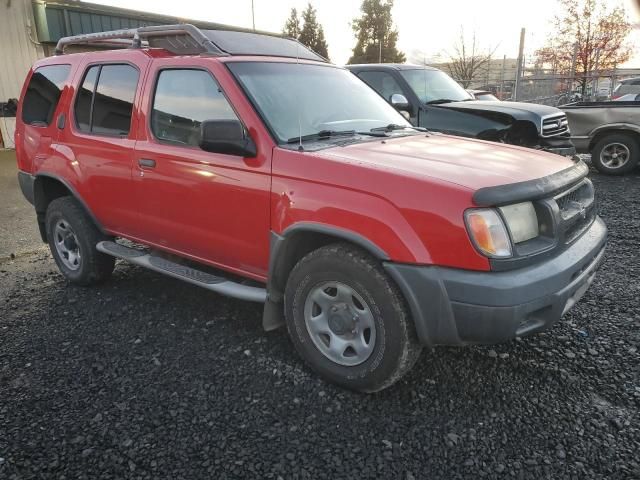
<point>210,207</point>
<point>99,136</point>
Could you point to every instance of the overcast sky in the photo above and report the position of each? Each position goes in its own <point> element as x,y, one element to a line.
<point>426,27</point>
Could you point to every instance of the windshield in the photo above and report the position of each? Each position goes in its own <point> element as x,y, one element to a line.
<point>434,85</point>
<point>303,99</point>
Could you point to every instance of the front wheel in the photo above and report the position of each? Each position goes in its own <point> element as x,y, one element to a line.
<point>348,320</point>
<point>616,154</point>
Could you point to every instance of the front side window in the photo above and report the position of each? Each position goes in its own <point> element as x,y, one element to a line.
<point>182,101</point>
<point>43,93</point>
<point>105,99</point>
<point>306,99</point>
<point>434,86</point>
<point>383,83</point>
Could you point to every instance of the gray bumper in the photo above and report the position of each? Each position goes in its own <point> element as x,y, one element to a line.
<point>564,151</point>
<point>26,182</point>
<point>457,307</point>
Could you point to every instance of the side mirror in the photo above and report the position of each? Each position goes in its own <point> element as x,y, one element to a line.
<point>226,136</point>
<point>400,102</point>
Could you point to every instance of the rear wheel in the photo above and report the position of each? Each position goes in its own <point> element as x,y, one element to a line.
<point>72,237</point>
<point>616,154</point>
<point>348,320</point>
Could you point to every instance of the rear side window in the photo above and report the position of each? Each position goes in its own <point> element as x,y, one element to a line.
<point>183,100</point>
<point>105,99</point>
<point>43,92</point>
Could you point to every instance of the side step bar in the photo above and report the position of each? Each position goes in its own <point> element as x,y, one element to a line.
<point>203,279</point>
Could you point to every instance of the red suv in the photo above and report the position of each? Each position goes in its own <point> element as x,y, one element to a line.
<point>249,166</point>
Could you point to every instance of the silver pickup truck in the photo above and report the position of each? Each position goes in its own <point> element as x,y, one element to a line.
<point>609,131</point>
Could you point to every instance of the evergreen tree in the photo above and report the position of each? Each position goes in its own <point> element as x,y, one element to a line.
<point>376,37</point>
<point>312,33</point>
<point>292,25</point>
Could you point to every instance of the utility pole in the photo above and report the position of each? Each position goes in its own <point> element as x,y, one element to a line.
<point>253,16</point>
<point>519,70</point>
<point>380,53</point>
<point>504,66</point>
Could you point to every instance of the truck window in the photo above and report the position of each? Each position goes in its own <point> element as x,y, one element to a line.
<point>382,82</point>
<point>43,93</point>
<point>105,99</point>
<point>182,101</point>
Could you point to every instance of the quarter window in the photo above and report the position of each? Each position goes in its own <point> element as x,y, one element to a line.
<point>105,99</point>
<point>183,100</point>
<point>43,93</point>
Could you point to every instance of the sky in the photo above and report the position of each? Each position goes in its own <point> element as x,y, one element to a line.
<point>427,28</point>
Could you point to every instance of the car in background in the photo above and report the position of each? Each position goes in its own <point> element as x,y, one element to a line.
<point>609,131</point>
<point>484,95</point>
<point>629,97</point>
<point>430,98</point>
<point>626,87</point>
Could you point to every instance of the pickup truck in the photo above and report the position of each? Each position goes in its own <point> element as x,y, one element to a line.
<point>247,165</point>
<point>609,131</point>
<point>432,99</point>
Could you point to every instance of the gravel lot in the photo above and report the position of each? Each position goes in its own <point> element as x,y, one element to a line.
<point>148,377</point>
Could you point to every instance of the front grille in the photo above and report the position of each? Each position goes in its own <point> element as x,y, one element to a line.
<point>556,125</point>
<point>576,207</point>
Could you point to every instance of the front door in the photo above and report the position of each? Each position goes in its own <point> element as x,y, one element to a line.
<point>209,207</point>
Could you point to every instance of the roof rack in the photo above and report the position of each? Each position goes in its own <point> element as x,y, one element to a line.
<point>182,39</point>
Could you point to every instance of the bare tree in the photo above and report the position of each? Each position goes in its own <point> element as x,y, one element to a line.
<point>468,62</point>
<point>591,37</point>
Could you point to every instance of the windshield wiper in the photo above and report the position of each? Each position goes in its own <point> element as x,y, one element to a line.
<point>325,134</point>
<point>394,126</point>
<point>447,100</point>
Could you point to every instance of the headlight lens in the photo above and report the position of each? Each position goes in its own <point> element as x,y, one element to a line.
<point>488,232</point>
<point>522,221</point>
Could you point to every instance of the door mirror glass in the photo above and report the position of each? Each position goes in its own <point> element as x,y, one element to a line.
<point>400,102</point>
<point>226,136</point>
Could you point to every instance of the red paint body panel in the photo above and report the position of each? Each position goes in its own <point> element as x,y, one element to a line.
<point>406,195</point>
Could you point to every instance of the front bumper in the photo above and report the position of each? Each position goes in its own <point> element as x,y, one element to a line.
<point>564,151</point>
<point>458,307</point>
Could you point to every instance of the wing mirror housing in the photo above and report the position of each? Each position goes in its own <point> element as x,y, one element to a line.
<point>227,137</point>
<point>400,102</point>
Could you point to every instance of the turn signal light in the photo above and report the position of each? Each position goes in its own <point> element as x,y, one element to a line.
<point>488,233</point>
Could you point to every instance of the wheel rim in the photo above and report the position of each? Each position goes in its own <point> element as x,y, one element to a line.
<point>340,323</point>
<point>615,155</point>
<point>66,243</point>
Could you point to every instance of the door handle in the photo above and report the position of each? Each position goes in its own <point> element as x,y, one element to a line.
<point>147,163</point>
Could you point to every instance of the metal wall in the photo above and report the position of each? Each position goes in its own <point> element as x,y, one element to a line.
<point>18,47</point>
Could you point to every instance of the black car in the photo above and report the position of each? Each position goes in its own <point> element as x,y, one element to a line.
<point>432,99</point>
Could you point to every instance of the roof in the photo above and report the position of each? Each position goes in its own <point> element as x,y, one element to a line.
<point>391,66</point>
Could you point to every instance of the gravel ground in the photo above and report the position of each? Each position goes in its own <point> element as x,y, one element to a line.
<point>148,377</point>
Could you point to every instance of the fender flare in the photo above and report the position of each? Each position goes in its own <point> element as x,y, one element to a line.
<point>603,129</point>
<point>38,199</point>
<point>281,249</point>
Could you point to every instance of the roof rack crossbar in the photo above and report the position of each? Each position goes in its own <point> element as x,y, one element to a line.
<point>133,38</point>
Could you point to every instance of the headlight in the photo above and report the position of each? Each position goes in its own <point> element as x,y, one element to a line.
<point>488,233</point>
<point>522,221</point>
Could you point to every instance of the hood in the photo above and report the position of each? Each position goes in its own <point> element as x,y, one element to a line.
<point>517,110</point>
<point>470,163</point>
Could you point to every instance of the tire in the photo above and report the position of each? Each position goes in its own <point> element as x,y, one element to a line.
<point>360,306</point>
<point>621,145</point>
<point>72,238</point>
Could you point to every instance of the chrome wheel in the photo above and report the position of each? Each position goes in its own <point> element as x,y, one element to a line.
<point>67,245</point>
<point>340,323</point>
<point>615,155</point>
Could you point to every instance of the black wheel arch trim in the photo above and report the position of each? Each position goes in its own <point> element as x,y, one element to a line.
<point>280,241</point>
<point>37,191</point>
<point>531,189</point>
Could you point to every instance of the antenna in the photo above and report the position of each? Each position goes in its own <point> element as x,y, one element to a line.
<point>300,147</point>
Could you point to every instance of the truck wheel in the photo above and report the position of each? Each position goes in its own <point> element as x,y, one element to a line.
<point>616,154</point>
<point>72,239</point>
<point>348,320</point>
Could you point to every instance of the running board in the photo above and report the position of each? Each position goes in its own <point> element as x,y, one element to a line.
<point>203,279</point>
